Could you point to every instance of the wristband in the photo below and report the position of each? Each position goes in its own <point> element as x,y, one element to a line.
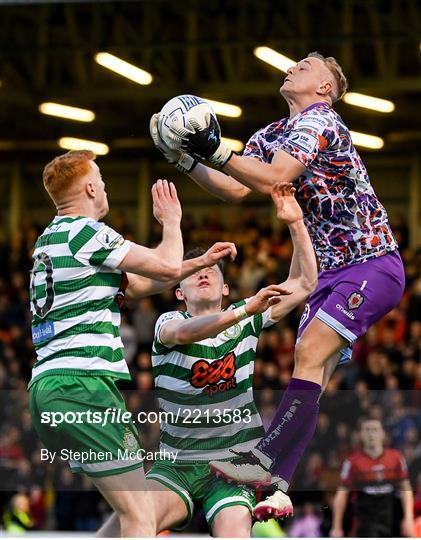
<point>240,313</point>
<point>186,163</point>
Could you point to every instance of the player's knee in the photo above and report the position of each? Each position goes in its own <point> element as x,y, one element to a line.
<point>232,523</point>
<point>234,532</point>
<point>306,355</point>
<point>229,529</point>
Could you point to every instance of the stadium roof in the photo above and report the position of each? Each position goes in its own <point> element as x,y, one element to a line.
<point>47,53</point>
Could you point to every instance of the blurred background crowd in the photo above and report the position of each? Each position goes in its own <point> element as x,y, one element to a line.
<point>382,380</point>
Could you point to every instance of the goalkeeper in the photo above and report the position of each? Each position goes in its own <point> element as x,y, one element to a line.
<point>348,226</point>
<point>203,360</point>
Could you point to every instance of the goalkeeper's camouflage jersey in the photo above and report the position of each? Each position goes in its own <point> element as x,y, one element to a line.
<point>74,295</point>
<point>206,389</point>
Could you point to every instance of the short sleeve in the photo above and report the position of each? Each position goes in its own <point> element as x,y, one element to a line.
<point>260,320</point>
<point>97,244</point>
<point>311,134</point>
<point>266,318</point>
<point>347,474</point>
<point>163,319</point>
<point>254,147</point>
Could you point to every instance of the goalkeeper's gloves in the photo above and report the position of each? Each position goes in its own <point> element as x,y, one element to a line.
<point>182,161</point>
<point>205,143</point>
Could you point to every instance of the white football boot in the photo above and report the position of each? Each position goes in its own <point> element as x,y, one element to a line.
<point>245,469</point>
<point>278,505</point>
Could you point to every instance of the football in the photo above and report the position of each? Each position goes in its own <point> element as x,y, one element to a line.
<point>180,116</point>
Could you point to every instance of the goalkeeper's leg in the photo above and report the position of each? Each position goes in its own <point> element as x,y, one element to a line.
<point>277,503</point>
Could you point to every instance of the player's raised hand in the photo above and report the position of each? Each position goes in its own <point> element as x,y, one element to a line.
<point>219,251</point>
<point>265,298</point>
<point>287,208</point>
<point>166,206</point>
<point>183,162</point>
<point>205,142</point>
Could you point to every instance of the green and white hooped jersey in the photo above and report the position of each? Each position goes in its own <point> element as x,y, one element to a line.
<point>205,390</point>
<point>74,283</point>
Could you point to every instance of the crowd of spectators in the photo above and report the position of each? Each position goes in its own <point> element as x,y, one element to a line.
<point>383,379</point>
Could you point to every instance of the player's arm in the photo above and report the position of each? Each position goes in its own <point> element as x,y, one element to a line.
<point>219,184</point>
<point>247,170</point>
<point>164,261</point>
<point>339,505</point>
<point>311,133</point>
<point>140,286</point>
<point>179,332</point>
<point>407,498</point>
<point>263,176</point>
<point>347,483</point>
<point>244,174</point>
<point>302,278</point>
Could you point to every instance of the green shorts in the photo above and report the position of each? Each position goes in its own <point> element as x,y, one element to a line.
<point>196,484</point>
<point>68,413</point>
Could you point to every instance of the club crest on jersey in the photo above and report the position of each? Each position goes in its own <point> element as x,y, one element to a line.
<point>379,471</point>
<point>233,331</point>
<point>355,300</point>
<point>129,440</point>
<point>214,377</point>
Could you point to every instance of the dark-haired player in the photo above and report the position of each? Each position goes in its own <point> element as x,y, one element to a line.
<point>203,362</point>
<point>375,475</point>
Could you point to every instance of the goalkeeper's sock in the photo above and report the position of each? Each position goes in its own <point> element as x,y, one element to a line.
<point>287,462</point>
<point>299,404</point>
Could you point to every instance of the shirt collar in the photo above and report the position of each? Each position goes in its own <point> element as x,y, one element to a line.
<point>309,108</point>
<point>315,105</point>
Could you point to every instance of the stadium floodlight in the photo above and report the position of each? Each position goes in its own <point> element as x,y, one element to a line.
<point>65,111</point>
<point>369,102</point>
<point>234,144</point>
<point>366,141</point>
<point>123,68</point>
<point>275,59</point>
<point>225,109</point>
<point>72,143</point>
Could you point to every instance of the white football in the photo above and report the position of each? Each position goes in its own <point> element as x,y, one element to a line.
<point>182,115</point>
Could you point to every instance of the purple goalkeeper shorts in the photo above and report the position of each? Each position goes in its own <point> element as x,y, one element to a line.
<point>352,298</point>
